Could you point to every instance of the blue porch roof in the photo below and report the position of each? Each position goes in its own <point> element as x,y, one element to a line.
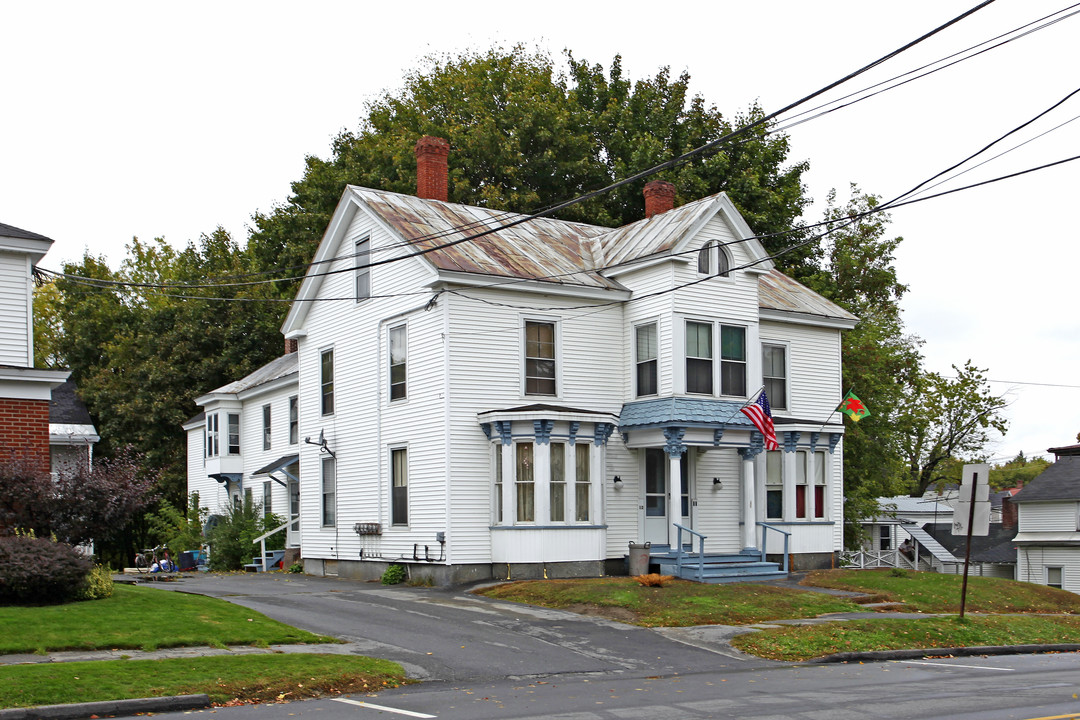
<point>686,412</point>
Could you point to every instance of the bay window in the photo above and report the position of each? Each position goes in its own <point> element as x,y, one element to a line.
<point>582,484</point>
<point>558,482</point>
<point>699,358</point>
<point>234,433</point>
<point>733,360</point>
<point>525,483</point>
<point>774,485</point>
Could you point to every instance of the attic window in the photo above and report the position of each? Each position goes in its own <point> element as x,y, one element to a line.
<point>713,260</point>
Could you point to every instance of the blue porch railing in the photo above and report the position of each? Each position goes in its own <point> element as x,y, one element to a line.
<point>765,527</point>
<point>680,554</point>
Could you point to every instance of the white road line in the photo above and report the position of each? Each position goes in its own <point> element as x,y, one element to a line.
<point>373,706</point>
<point>952,665</point>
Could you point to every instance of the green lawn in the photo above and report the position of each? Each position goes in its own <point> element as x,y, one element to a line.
<point>144,618</point>
<point>680,604</point>
<point>248,678</point>
<point>936,592</point>
<point>810,641</point>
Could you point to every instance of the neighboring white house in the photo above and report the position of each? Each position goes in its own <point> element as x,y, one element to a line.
<point>42,420</point>
<point>528,402</point>
<point>1048,541</point>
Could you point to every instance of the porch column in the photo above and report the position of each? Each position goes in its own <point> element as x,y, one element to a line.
<point>674,449</point>
<point>748,491</point>
<point>542,471</point>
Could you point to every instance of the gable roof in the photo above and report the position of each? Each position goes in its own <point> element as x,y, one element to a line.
<point>277,368</point>
<point>997,546</point>
<point>66,407</point>
<point>18,240</point>
<point>10,231</point>
<point>1060,481</point>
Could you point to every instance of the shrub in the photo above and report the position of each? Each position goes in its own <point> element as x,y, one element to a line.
<point>394,574</point>
<point>296,567</point>
<point>232,540</point>
<point>99,584</point>
<point>177,530</point>
<point>37,570</point>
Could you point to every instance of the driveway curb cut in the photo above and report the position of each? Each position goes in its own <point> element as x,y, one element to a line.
<point>134,706</point>
<point>956,651</point>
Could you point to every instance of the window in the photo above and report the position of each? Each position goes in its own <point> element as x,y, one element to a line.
<point>399,500</point>
<point>329,491</point>
<point>558,482</point>
<point>801,487</point>
<point>234,434</point>
<point>539,358</point>
<point>884,538</point>
<point>363,271</point>
<point>524,483</point>
<point>774,485</point>
<point>1054,577</point>
<point>268,498</point>
<point>582,484</point>
<point>328,382</point>
<point>212,447</point>
<point>774,373</point>
<point>294,421</point>
<point>733,360</point>
<point>398,341</point>
<point>266,427</point>
<point>713,260</point>
<point>819,485</point>
<point>645,357</point>
<point>498,483</point>
<point>699,366</point>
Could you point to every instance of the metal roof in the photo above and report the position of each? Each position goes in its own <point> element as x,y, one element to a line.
<point>276,368</point>
<point>541,249</point>
<point>653,236</point>
<point>777,291</point>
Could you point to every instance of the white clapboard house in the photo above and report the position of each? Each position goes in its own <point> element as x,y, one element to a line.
<point>1048,537</point>
<point>533,401</point>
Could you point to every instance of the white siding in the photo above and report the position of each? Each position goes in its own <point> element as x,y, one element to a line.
<point>1032,563</point>
<point>15,302</point>
<point>813,367</point>
<point>1047,517</point>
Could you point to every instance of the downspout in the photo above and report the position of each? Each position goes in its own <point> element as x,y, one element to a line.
<point>446,427</point>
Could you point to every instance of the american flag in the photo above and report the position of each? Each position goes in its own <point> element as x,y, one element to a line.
<point>761,416</point>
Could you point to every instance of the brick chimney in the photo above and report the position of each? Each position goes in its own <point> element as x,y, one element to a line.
<point>1009,515</point>
<point>659,197</point>
<point>431,168</point>
<point>291,345</point>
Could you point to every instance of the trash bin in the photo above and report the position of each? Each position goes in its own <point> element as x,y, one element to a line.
<point>639,558</point>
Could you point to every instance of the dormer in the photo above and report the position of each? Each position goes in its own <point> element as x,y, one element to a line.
<point>20,251</point>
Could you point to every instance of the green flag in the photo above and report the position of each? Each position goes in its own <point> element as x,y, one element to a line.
<point>853,407</point>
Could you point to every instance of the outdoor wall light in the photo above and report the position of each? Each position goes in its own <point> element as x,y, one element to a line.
<point>716,484</point>
<point>618,482</point>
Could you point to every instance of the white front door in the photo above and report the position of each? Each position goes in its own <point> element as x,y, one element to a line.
<point>655,505</point>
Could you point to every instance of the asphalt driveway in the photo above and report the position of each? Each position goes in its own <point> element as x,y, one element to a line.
<point>451,635</point>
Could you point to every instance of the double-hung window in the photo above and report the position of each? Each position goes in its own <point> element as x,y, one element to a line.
<point>525,483</point>
<point>774,485</point>
<point>329,491</point>
<point>398,352</point>
<point>774,373</point>
<point>399,478</point>
<point>801,485</point>
<point>733,360</point>
<point>558,482</point>
<point>363,269</point>
<point>1054,576</point>
<point>645,351</point>
<point>539,358</point>
<point>294,420</point>
<point>497,450</point>
<point>268,498</point>
<point>699,358</point>
<point>266,427</point>
<point>819,484</point>
<point>212,439</point>
<point>327,379</point>
<point>582,482</point>
<point>234,433</point>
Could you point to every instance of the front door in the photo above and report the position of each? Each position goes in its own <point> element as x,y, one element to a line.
<point>656,504</point>
<point>293,532</point>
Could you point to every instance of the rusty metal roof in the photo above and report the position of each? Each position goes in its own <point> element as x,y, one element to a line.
<point>776,291</point>
<point>653,236</point>
<point>541,249</point>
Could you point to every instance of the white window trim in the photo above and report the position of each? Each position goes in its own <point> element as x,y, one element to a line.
<point>716,248</point>
<point>322,490</point>
<point>267,426</point>
<point>557,322</point>
<point>404,326</point>
<point>715,356</point>
<point>633,354</point>
<point>718,352</point>
<point>786,345</point>
<point>390,450</point>
<point>749,364</point>
<point>322,382</point>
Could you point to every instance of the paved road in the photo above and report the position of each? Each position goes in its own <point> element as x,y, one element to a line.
<point>451,635</point>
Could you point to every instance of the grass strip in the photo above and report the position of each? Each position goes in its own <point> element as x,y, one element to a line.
<point>230,680</point>
<point>938,592</point>
<point>679,604</point>
<point>804,642</point>
<point>143,618</point>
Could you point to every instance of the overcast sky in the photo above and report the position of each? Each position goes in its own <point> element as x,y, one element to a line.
<point>166,120</point>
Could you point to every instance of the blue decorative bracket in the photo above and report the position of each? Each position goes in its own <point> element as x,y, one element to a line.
<point>717,436</point>
<point>601,433</point>
<point>674,446</point>
<point>503,428</point>
<point>814,437</point>
<point>574,427</point>
<point>834,439</point>
<point>486,427</point>
<point>791,441</point>
<point>542,429</point>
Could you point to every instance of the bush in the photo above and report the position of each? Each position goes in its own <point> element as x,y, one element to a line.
<point>177,530</point>
<point>232,540</point>
<point>37,570</point>
<point>394,574</point>
<point>296,567</point>
<point>99,584</point>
